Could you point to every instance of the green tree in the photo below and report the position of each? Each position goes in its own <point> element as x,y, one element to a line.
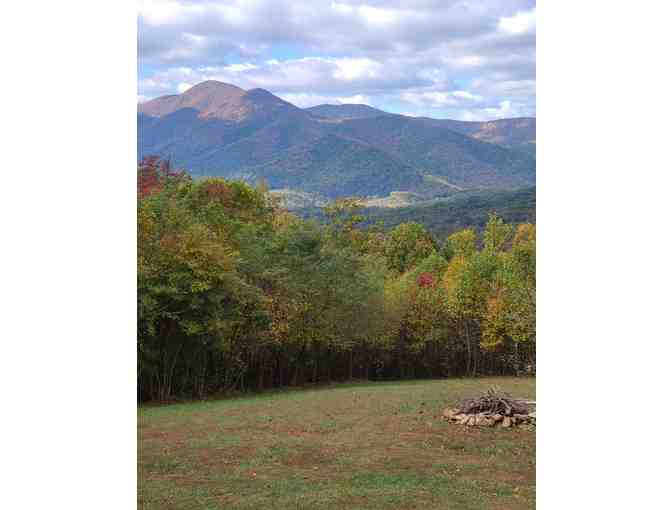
<point>407,245</point>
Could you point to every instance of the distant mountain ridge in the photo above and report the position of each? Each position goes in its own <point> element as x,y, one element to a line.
<point>507,132</point>
<point>216,128</point>
<point>345,111</point>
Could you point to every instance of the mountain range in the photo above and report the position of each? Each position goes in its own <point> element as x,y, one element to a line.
<point>329,151</point>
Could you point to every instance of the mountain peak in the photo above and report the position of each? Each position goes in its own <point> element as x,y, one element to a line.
<point>212,86</point>
<point>211,98</point>
<point>214,100</point>
<point>264,97</point>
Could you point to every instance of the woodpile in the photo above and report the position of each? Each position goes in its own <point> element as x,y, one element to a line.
<point>491,409</point>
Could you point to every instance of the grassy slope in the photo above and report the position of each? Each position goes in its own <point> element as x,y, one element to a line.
<point>368,446</point>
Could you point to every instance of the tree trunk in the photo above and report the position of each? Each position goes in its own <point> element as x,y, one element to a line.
<point>260,375</point>
<point>272,371</point>
<point>474,351</point>
<point>171,372</point>
<point>201,382</point>
<point>329,363</point>
<point>468,342</point>
<point>295,375</point>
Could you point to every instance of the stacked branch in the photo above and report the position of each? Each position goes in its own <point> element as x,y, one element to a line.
<point>492,408</point>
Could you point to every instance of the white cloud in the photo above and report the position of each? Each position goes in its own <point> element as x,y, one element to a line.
<point>157,12</point>
<point>342,8</point>
<point>378,16</point>
<point>469,61</point>
<point>520,23</point>
<point>354,68</point>
<point>338,77</point>
<point>367,13</point>
<point>183,87</point>
<point>306,100</point>
<point>356,99</point>
<point>506,109</point>
<point>438,99</point>
<point>303,100</point>
<point>463,94</point>
<point>338,28</point>
<point>237,68</point>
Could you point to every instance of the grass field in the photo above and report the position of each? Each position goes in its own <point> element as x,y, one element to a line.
<point>360,446</point>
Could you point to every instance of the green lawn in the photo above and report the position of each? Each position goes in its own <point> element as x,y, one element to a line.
<point>361,446</point>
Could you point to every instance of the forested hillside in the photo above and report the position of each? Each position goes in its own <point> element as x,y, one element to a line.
<point>462,210</point>
<point>336,167</point>
<point>235,293</point>
<point>218,129</point>
<point>443,216</point>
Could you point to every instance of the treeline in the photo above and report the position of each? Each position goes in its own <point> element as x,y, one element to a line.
<point>234,293</point>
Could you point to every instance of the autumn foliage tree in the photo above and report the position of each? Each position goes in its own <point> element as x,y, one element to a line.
<point>235,293</point>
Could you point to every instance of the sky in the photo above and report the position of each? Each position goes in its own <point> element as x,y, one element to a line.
<point>465,60</point>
